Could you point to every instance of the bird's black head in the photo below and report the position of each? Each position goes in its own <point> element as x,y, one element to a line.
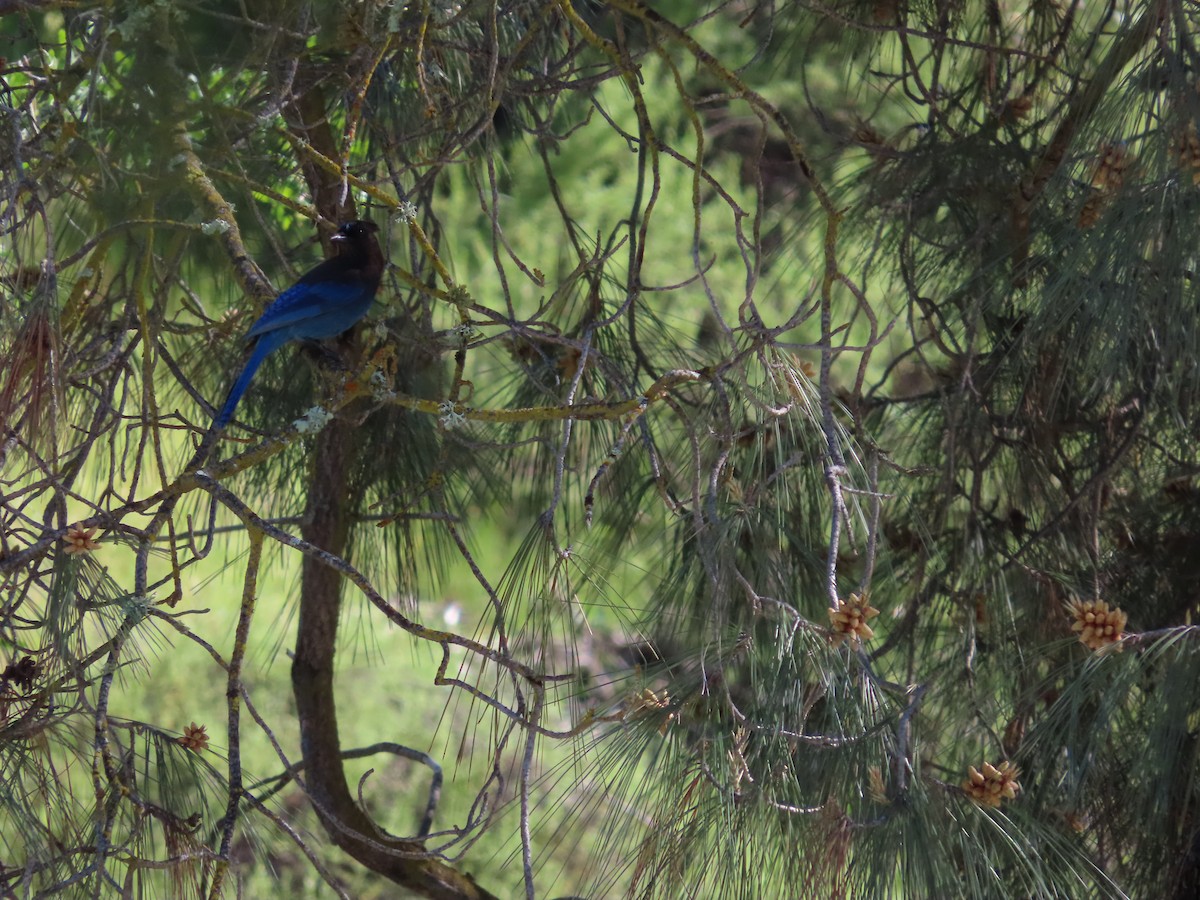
<point>357,245</point>
<point>356,232</point>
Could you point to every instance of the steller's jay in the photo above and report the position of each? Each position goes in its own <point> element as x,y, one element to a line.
<point>326,301</point>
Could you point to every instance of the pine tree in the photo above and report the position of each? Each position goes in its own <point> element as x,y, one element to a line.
<point>804,394</point>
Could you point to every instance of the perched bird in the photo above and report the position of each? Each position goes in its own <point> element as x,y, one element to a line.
<point>325,302</point>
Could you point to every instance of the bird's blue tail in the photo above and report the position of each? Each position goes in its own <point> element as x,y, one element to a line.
<point>262,349</point>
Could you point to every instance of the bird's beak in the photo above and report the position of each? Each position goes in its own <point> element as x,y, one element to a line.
<point>338,236</point>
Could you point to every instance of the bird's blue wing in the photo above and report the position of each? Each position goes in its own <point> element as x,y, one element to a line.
<point>324,303</point>
<point>305,302</point>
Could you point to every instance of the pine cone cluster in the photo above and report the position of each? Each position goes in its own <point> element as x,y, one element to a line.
<point>195,737</point>
<point>1097,625</point>
<point>1108,175</point>
<point>993,784</point>
<point>1187,152</point>
<point>1110,169</point>
<point>849,620</point>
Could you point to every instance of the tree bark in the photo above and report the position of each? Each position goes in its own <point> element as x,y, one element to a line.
<point>327,525</point>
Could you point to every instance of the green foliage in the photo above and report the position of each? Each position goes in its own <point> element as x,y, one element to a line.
<point>700,320</point>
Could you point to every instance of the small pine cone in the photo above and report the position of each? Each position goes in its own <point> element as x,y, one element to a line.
<point>195,737</point>
<point>884,11</point>
<point>1092,210</point>
<point>1097,625</point>
<point>849,620</point>
<point>80,540</point>
<point>1016,109</point>
<point>21,673</point>
<point>568,363</point>
<point>866,133</point>
<point>1187,152</point>
<point>1187,148</point>
<point>992,785</point>
<point>1111,168</point>
<point>871,140</point>
<point>647,700</point>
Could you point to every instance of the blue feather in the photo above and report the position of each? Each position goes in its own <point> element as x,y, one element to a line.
<point>263,348</point>
<point>327,301</point>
